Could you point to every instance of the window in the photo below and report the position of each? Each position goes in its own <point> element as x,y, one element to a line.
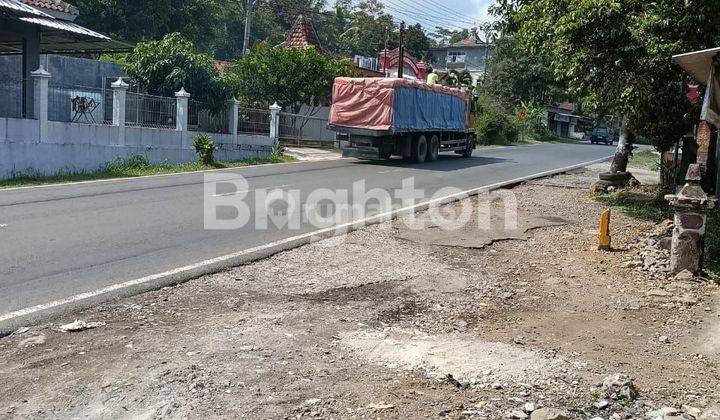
<point>456,57</point>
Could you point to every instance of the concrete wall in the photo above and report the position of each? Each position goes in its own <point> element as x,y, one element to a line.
<point>315,129</point>
<point>71,147</point>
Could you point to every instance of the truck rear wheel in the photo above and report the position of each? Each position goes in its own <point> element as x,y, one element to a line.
<point>469,147</point>
<point>420,149</point>
<point>433,149</point>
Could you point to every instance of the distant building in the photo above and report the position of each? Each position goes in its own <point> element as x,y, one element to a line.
<point>302,35</point>
<point>470,54</point>
<point>565,122</point>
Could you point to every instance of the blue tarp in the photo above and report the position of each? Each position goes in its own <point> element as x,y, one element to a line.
<point>425,110</point>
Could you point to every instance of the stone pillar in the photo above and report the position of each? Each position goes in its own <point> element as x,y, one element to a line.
<point>41,91</point>
<point>275,124</point>
<point>119,88</point>
<point>183,100</point>
<point>234,110</point>
<point>691,206</point>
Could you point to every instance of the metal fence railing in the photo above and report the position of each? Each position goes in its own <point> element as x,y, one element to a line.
<point>202,118</point>
<point>299,129</point>
<point>79,104</point>
<point>143,110</point>
<point>253,121</point>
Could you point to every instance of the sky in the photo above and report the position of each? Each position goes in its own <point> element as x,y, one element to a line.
<point>430,13</point>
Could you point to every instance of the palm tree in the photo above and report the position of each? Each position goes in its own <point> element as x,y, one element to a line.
<point>459,78</point>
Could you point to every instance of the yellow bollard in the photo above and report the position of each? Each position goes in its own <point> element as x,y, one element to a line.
<point>604,237</point>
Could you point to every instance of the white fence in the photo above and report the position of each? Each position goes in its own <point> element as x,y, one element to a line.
<point>77,132</point>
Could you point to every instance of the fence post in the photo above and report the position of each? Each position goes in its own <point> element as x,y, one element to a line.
<point>233,118</point>
<point>119,88</point>
<point>275,124</point>
<point>42,92</point>
<point>183,99</point>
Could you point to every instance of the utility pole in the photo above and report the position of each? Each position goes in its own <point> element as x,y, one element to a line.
<point>384,63</point>
<point>249,6</point>
<point>401,51</point>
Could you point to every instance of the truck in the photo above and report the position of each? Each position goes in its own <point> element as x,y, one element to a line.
<point>377,118</point>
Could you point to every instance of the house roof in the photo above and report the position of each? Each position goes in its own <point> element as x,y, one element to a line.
<point>18,8</point>
<point>57,36</point>
<point>302,34</point>
<point>56,5</point>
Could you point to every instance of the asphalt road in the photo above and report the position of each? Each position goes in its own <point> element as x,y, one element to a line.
<point>58,241</point>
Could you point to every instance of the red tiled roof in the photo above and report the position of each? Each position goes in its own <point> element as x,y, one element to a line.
<point>302,35</point>
<point>57,5</point>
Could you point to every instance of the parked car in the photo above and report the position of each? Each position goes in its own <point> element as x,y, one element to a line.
<point>601,135</point>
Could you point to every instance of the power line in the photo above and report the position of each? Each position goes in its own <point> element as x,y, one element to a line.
<point>411,8</point>
<point>424,19</point>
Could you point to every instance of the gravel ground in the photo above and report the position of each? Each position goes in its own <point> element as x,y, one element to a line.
<point>374,326</point>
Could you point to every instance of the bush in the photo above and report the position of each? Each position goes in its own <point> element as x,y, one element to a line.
<point>544,135</point>
<point>205,148</point>
<point>494,126</point>
<point>132,162</point>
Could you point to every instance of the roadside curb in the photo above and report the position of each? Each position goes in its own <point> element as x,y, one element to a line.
<point>41,313</point>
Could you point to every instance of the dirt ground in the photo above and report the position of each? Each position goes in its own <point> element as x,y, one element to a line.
<point>374,326</point>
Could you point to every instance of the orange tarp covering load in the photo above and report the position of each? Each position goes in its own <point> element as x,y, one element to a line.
<point>371,103</point>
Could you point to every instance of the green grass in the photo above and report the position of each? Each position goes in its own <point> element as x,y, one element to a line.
<point>647,159</point>
<point>644,203</point>
<point>134,166</point>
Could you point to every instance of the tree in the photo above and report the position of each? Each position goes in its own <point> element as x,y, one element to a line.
<point>365,34</point>
<point>444,36</point>
<point>514,75</point>
<point>142,20</point>
<point>459,78</point>
<point>617,55</point>
<point>291,77</point>
<point>417,43</point>
<point>164,67</point>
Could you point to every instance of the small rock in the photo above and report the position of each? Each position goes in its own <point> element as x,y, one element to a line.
<point>548,414</point>
<point>693,411</point>
<point>602,404</point>
<point>516,414</point>
<point>496,385</point>
<point>685,275</point>
<point>663,412</point>
<point>380,406</point>
<point>620,387</point>
<point>664,339</point>
<point>313,401</point>
<point>507,295</point>
<point>529,407</point>
<point>80,326</point>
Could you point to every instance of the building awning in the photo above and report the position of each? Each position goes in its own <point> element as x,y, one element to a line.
<point>701,67</point>
<point>697,63</point>
<point>57,36</point>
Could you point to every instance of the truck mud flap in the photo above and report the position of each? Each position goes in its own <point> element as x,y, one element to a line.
<point>362,152</point>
